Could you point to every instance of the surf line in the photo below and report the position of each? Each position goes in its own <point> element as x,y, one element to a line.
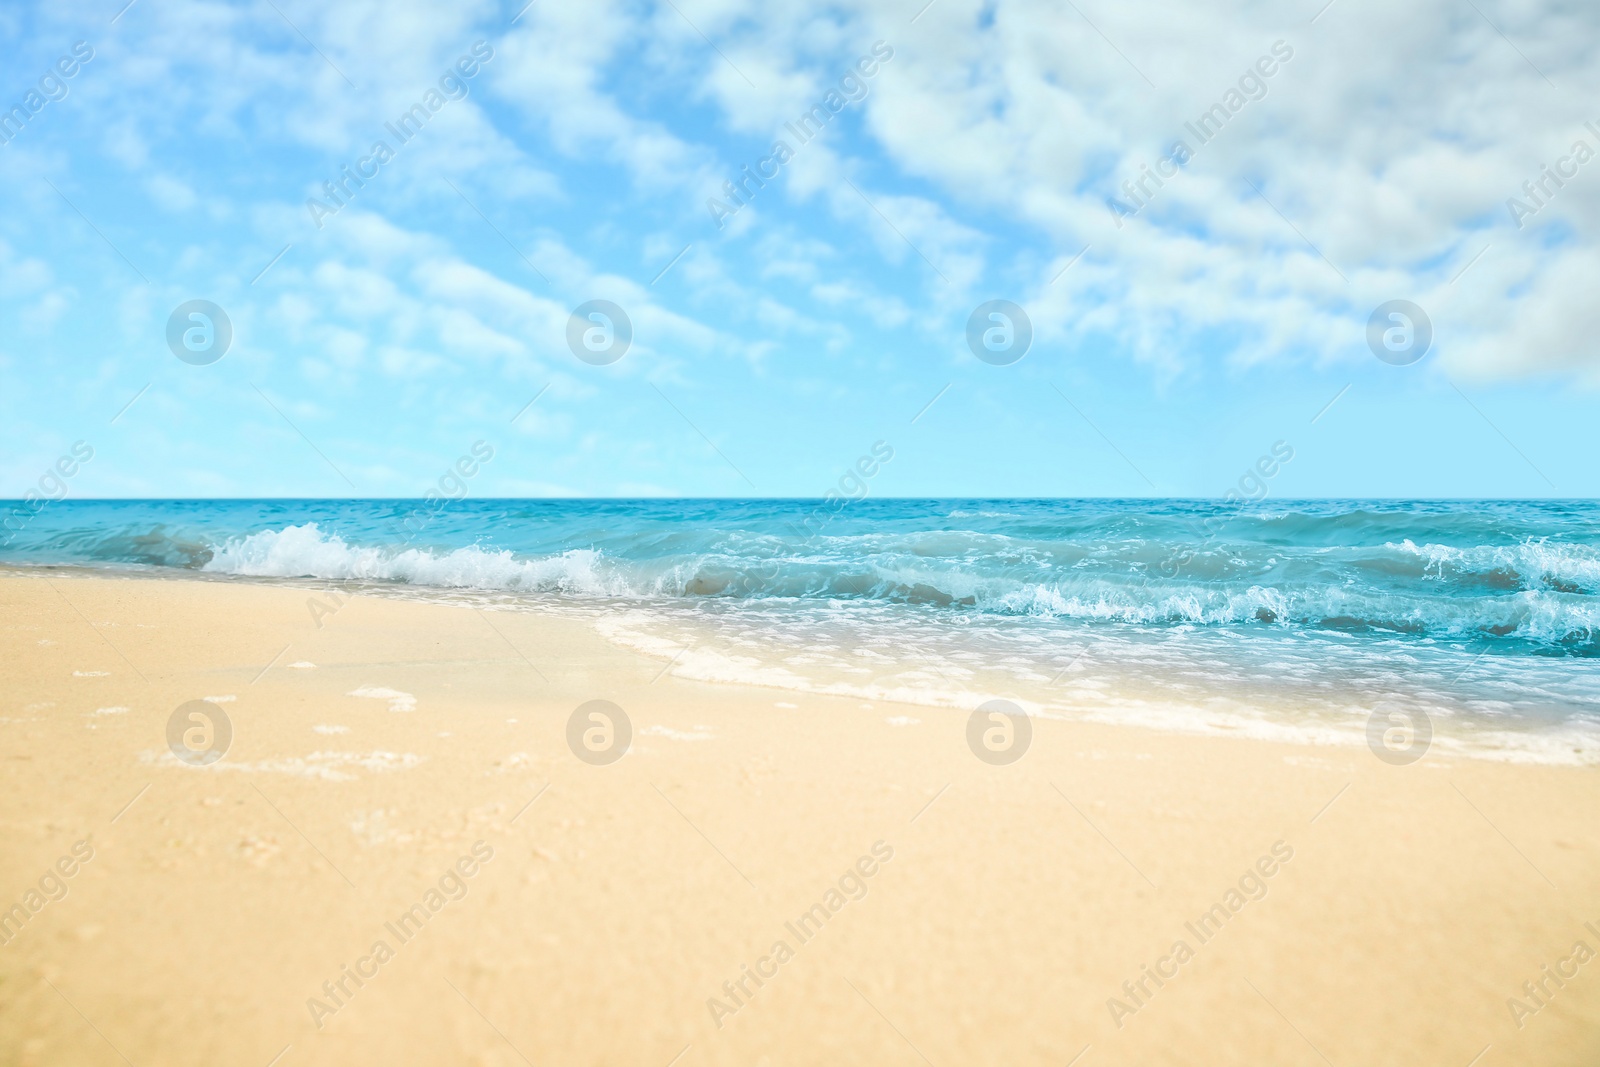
<point>1252,885</point>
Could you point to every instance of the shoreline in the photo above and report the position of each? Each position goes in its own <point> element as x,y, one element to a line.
<point>1020,901</point>
<point>1574,742</point>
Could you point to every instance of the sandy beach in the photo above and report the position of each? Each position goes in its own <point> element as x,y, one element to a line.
<point>426,873</point>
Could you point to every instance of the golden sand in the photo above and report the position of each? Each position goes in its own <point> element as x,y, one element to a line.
<point>427,874</point>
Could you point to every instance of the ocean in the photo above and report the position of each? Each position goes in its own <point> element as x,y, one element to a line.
<point>1294,620</point>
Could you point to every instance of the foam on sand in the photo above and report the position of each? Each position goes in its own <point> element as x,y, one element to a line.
<point>398,701</point>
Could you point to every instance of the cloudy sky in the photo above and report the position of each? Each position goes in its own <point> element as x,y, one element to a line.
<point>1190,305</point>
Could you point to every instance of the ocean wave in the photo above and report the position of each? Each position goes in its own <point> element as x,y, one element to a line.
<point>1535,563</point>
<point>1292,619</point>
<point>307,552</point>
<point>1545,606</point>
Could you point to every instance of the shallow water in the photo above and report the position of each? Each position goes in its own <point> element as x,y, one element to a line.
<point>1291,619</point>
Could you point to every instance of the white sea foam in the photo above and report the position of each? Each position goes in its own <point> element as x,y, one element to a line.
<point>1537,559</point>
<point>1122,683</point>
<point>306,552</point>
<point>1544,611</point>
<point>398,701</point>
<point>1287,622</point>
<point>699,733</point>
<point>631,629</point>
<point>328,766</point>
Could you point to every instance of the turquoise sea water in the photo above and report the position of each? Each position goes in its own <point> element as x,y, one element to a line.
<point>1280,619</point>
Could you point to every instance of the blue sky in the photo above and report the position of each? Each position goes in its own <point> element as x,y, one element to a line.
<point>1177,334</point>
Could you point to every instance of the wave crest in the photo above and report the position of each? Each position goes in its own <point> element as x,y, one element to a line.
<point>307,552</point>
<point>1548,610</point>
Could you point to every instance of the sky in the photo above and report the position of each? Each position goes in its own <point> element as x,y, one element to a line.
<point>1311,165</point>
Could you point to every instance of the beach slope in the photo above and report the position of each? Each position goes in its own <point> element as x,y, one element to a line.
<point>401,858</point>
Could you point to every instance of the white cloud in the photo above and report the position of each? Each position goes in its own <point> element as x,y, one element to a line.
<point>172,194</point>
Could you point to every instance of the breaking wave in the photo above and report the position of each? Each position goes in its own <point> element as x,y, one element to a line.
<point>1535,592</point>
<point>1284,620</point>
